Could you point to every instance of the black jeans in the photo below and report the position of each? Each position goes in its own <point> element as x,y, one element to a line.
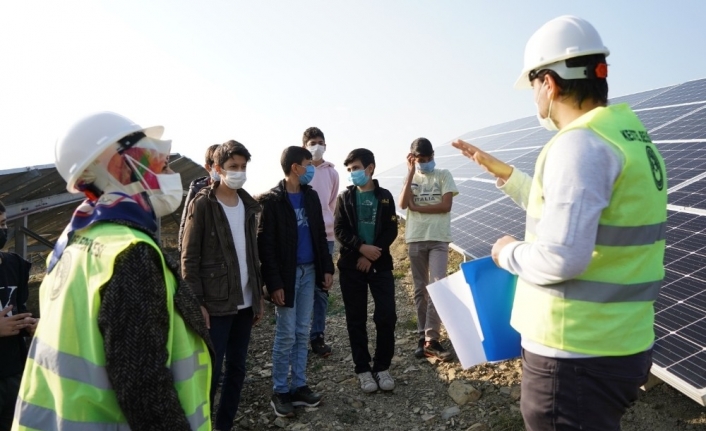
<point>9,388</point>
<point>230,336</point>
<point>580,394</point>
<point>354,289</point>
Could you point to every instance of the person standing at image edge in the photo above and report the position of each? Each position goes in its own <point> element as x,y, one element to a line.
<point>325,183</point>
<point>15,324</point>
<point>591,265</point>
<point>427,195</point>
<point>121,343</point>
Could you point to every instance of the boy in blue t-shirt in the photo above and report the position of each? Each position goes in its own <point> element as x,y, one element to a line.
<point>294,259</point>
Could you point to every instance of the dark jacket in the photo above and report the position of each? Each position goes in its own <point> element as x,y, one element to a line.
<point>277,240</point>
<point>194,188</point>
<point>209,263</point>
<point>345,226</point>
<point>134,320</point>
<point>14,290</point>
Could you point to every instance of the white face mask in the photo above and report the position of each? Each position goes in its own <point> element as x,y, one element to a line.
<point>317,152</point>
<point>214,175</point>
<point>234,180</point>
<point>167,199</point>
<point>547,123</point>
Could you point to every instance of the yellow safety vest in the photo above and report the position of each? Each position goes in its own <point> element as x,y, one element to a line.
<point>608,309</point>
<point>65,385</point>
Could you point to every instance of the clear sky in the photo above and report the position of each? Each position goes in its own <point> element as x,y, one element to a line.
<point>374,74</point>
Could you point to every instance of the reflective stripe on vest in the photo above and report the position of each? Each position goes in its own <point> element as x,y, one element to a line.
<point>608,309</point>
<point>596,291</point>
<point>33,416</point>
<point>618,236</point>
<point>77,368</point>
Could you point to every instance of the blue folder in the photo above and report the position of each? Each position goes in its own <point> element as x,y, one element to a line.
<point>493,291</point>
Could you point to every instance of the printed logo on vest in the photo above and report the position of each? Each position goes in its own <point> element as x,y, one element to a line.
<point>61,274</point>
<point>657,173</point>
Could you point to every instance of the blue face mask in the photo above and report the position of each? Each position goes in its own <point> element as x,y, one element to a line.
<point>426,167</point>
<point>359,178</point>
<point>308,176</point>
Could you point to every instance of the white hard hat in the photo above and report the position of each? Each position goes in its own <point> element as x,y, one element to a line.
<point>561,38</point>
<point>88,138</point>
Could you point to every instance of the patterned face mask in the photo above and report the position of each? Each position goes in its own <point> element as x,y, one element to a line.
<point>164,189</point>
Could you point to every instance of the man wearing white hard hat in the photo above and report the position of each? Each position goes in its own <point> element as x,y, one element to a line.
<point>121,343</point>
<point>590,267</point>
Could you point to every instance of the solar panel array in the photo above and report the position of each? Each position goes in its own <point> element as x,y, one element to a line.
<point>675,118</point>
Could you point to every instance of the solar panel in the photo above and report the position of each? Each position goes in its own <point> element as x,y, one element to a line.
<point>688,92</point>
<point>634,100</point>
<point>689,126</point>
<point>653,118</point>
<point>675,117</point>
<point>692,195</point>
<point>684,161</point>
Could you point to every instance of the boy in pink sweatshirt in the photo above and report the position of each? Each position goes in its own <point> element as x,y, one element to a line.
<point>325,183</point>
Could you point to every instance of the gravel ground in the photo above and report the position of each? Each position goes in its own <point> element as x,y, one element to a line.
<point>429,395</point>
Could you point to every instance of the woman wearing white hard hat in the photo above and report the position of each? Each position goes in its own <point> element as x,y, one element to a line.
<point>590,266</point>
<point>121,344</point>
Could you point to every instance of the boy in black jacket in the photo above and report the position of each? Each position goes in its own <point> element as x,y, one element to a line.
<point>294,258</point>
<point>365,224</point>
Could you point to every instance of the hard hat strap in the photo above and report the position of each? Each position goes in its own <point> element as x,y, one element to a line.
<point>129,141</point>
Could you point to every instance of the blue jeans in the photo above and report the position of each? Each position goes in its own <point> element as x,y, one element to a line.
<point>230,336</point>
<point>291,331</point>
<point>318,323</point>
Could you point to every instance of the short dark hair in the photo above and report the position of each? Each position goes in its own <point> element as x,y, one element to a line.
<point>209,154</point>
<point>311,133</point>
<point>365,156</point>
<point>292,155</point>
<point>3,210</point>
<point>229,149</point>
<point>421,147</point>
<point>591,88</point>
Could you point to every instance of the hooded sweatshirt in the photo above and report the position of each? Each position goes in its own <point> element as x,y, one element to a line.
<point>325,183</point>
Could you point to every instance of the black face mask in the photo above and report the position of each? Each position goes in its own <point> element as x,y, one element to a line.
<point>3,237</point>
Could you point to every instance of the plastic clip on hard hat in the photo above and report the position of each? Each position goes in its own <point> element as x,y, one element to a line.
<point>88,138</point>
<point>559,39</point>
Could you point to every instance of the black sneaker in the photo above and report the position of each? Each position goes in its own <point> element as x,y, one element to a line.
<point>419,352</point>
<point>304,396</point>
<point>434,349</point>
<point>319,347</point>
<point>282,403</point>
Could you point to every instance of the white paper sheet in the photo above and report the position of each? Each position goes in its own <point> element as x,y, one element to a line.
<point>454,303</point>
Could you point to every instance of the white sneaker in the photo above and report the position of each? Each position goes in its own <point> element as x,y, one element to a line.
<point>367,382</point>
<point>385,380</point>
